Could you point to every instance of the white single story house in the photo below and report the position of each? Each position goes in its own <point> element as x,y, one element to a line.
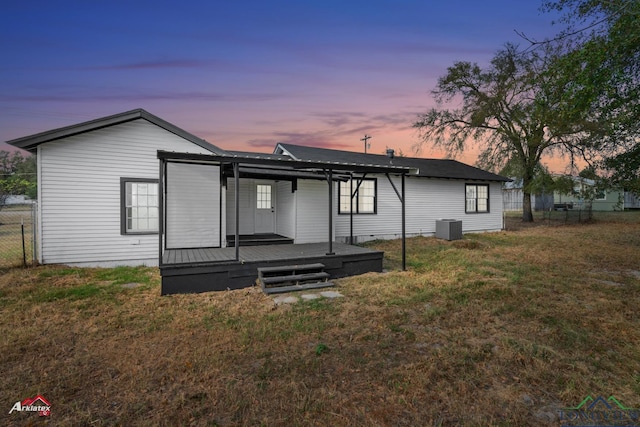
<point>133,189</point>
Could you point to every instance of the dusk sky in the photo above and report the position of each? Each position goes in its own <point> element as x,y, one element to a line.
<point>245,75</point>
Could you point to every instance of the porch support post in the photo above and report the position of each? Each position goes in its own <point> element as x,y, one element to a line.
<point>351,208</point>
<point>401,196</point>
<point>330,179</point>
<point>352,195</point>
<point>236,177</point>
<point>161,212</point>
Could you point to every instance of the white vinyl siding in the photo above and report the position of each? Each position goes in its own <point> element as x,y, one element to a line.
<point>193,206</point>
<point>80,198</point>
<point>246,204</point>
<point>285,210</point>
<point>427,201</point>
<point>312,210</point>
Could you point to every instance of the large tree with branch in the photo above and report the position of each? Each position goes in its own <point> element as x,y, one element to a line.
<point>515,110</point>
<point>603,62</point>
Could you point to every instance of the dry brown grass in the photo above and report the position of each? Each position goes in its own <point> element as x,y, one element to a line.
<point>499,329</point>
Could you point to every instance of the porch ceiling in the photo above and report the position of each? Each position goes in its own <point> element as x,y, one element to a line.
<point>281,174</point>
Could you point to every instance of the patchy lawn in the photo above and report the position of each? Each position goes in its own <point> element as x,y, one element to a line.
<point>498,329</point>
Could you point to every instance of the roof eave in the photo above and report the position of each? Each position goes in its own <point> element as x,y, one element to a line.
<point>30,143</point>
<point>287,162</point>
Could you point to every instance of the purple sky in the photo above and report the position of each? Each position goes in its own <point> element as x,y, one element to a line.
<point>247,74</point>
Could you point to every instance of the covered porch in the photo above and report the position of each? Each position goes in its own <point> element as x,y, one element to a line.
<point>197,256</point>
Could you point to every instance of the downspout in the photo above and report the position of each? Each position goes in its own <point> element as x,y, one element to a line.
<point>404,222</point>
<point>352,195</point>
<point>161,212</point>
<point>236,177</point>
<point>39,231</point>
<point>221,212</point>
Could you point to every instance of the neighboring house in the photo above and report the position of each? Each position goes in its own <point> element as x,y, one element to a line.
<point>603,200</point>
<point>18,200</point>
<point>133,189</point>
<point>631,200</point>
<point>512,196</point>
<point>608,200</point>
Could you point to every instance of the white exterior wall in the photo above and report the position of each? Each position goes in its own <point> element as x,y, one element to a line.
<point>427,201</point>
<point>193,206</point>
<point>79,190</point>
<point>285,209</point>
<point>312,209</point>
<point>247,206</point>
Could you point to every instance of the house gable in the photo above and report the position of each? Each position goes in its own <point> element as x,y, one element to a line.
<point>80,191</point>
<point>30,143</point>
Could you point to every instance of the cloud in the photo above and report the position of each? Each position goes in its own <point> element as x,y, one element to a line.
<point>160,64</point>
<point>339,118</point>
<point>321,139</point>
<point>350,123</point>
<point>262,143</point>
<point>93,96</point>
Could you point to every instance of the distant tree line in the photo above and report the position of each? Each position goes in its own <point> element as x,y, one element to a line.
<point>17,176</point>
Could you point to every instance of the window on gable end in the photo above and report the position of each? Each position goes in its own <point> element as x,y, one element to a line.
<point>138,206</point>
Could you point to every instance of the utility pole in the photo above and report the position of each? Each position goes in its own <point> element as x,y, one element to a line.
<point>365,139</point>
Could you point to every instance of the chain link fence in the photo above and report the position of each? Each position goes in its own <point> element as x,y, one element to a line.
<point>17,235</point>
<point>545,211</point>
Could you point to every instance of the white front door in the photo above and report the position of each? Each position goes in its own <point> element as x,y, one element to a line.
<point>265,208</point>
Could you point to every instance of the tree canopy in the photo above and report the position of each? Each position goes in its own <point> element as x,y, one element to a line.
<point>577,94</point>
<point>17,175</point>
<point>603,62</point>
<point>514,110</point>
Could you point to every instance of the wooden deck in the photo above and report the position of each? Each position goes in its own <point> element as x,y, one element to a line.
<point>209,269</point>
<point>257,253</point>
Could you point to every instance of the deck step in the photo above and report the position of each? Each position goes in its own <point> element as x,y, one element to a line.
<point>296,278</point>
<point>259,240</point>
<point>294,288</point>
<point>289,278</point>
<point>285,268</point>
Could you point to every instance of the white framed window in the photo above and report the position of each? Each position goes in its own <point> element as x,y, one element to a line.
<point>139,206</point>
<point>476,198</point>
<point>364,201</point>
<point>263,196</point>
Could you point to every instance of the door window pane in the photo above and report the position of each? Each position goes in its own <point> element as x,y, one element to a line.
<point>263,196</point>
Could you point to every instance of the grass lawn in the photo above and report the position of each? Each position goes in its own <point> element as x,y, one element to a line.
<point>503,329</point>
